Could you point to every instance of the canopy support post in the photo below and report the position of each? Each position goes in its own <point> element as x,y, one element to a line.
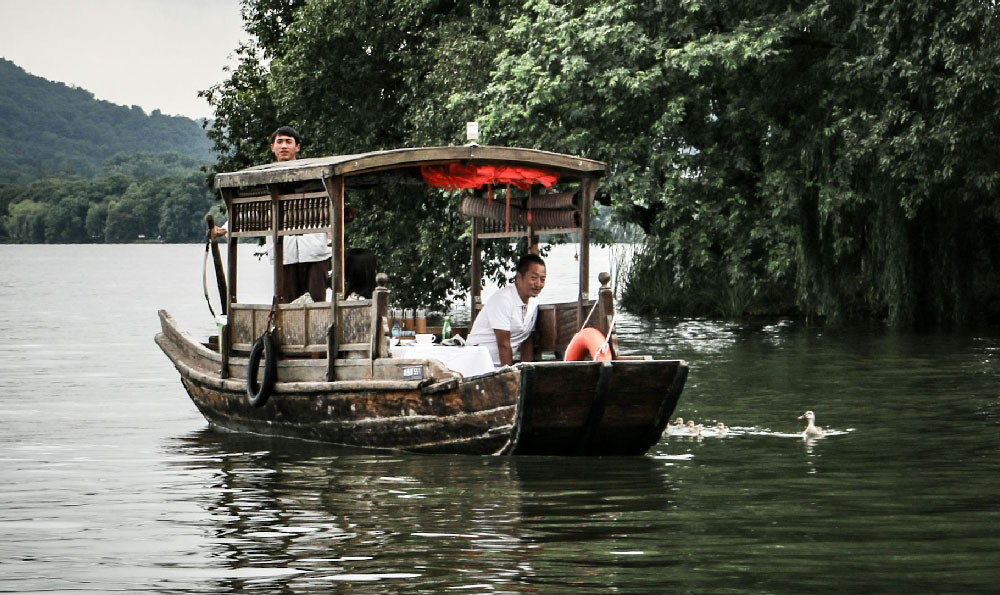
<point>532,244</point>
<point>476,287</point>
<point>335,192</point>
<point>588,188</point>
<point>231,246</point>
<point>277,242</point>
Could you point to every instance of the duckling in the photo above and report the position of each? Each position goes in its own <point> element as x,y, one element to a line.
<point>697,431</point>
<point>812,430</point>
<point>679,423</point>
<point>721,429</point>
<point>690,426</point>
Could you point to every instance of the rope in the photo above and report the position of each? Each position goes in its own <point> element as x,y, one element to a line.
<point>204,273</point>
<point>589,314</point>
<point>272,316</point>
<point>607,339</point>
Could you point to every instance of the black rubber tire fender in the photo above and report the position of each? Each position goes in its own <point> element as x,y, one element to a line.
<point>258,393</point>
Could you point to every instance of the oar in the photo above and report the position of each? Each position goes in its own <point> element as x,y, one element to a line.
<point>220,275</point>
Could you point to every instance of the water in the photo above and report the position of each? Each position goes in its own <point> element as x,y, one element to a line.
<point>111,480</point>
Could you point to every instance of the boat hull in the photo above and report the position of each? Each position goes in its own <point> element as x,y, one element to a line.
<point>538,408</point>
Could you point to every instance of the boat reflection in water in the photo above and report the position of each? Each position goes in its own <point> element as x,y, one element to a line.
<point>314,515</point>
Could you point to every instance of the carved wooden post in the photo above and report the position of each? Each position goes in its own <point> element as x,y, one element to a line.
<point>380,308</point>
<point>606,311</point>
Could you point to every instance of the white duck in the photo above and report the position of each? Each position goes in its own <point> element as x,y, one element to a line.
<point>812,430</point>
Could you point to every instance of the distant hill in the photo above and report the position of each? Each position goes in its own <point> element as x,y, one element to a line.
<point>52,130</point>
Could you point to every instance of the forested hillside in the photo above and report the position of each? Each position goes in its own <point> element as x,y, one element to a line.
<point>53,130</point>
<point>75,169</point>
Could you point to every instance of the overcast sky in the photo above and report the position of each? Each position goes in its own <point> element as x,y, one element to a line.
<point>156,54</point>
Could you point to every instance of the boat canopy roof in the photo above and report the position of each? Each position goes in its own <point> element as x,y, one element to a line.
<point>451,167</point>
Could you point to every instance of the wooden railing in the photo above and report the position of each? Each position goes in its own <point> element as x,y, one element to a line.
<point>303,329</point>
<point>300,212</point>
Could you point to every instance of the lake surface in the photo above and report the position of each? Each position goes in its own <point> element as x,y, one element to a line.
<point>112,480</point>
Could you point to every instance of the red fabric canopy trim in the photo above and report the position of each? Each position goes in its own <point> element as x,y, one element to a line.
<point>459,176</point>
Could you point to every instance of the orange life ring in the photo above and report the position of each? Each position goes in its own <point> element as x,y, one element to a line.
<point>586,346</point>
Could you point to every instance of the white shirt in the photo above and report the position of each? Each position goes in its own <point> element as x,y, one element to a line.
<point>506,312</point>
<point>310,247</point>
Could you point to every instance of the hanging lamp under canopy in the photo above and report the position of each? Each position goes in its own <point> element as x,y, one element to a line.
<point>462,176</point>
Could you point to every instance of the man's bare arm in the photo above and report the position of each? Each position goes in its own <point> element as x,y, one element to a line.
<point>503,346</point>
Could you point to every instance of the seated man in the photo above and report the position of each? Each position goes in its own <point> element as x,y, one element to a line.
<point>508,318</point>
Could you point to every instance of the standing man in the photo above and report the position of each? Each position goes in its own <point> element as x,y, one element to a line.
<point>306,260</point>
<point>505,324</point>
<point>306,257</point>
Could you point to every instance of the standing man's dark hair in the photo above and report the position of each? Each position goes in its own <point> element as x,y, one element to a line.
<point>286,131</point>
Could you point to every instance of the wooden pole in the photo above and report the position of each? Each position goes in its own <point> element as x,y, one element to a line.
<point>476,287</point>
<point>220,275</point>
<point>588,188</point>
<point>231,246</point>
<point>532,244</point>
<point>335,192</point>
<point>225,333</point>
<point>277,243</point>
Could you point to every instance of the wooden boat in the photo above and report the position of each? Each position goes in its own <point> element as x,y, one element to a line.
<point>333,374</point>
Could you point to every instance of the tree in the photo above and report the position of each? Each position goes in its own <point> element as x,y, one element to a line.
<point>183,205</point>
<point>831,152</point>
<point>27,221</point>
<point>349,82</point>
<point>830,157</point>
